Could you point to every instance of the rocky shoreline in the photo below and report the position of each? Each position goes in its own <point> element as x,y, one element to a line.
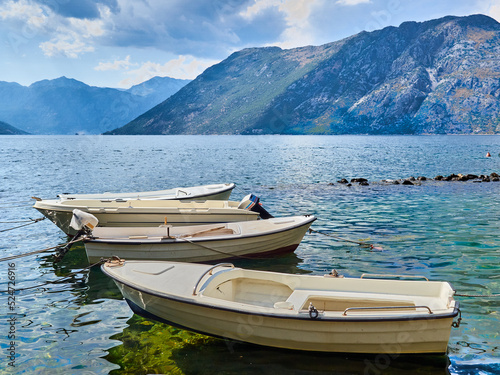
<point>493,177</point>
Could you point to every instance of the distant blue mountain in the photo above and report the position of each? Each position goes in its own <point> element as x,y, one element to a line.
<point>68,106</point>
<point>6,129</point>
<point>435,77</point>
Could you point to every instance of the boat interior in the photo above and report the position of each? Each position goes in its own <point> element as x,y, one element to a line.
<point>329,294</point>
<point>165,232</point>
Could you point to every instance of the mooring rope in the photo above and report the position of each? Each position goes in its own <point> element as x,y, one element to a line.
<point>58,281</point>
<point>477,295</point>
<point>21,205</point>
<point>16,202</point>
<point>33,221</point>
<point>364,244</point>
<point>37,251</point>
<point>237,188</point>
<point>230,255</point>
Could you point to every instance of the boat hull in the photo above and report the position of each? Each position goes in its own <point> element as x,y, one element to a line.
<point>205,249</point>
<point>348,336</point>
<point>111,214</point>
<point>207,192</point>
<point>273,309</point>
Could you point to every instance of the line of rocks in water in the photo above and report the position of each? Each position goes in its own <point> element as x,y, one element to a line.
<point>417,180</point>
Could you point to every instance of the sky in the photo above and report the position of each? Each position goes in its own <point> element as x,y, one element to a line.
<point>121,43</point>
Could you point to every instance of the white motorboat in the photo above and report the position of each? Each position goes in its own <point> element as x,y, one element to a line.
<point>147,213</point>
<point>199,243</point>
<point>204,192</point>
<point>303,312</point>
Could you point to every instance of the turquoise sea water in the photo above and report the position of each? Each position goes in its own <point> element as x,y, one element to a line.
<point>442,230</point>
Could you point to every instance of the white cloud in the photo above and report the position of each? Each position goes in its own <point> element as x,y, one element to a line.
<point>69,36</point>
<point>31,14</point>
<point>72,36</point>
<point>67,47</point>
<point>184,67</point>
<point>298,31</point>
<point>352,2</point>
<point>494,10</point>
<point>115,65</point>
<point>258,7</point>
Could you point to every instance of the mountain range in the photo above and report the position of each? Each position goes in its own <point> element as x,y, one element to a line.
<point>68,106</point>
<point>6,129</point>
<point>436,77</point>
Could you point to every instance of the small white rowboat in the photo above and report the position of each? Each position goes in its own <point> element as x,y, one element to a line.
<point>204,192</point>
<point>148,213</point>
<point>303,312</point>
<point>199,243</point>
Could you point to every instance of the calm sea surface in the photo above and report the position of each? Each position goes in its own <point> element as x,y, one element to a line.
<point>442,230</point>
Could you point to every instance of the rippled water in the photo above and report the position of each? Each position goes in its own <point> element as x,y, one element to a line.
<point>442,230</point>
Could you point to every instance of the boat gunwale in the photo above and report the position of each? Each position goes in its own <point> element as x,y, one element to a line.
<point>302,317</point>
<point>311,218</point>
<point>69,206</point>
<point>230,186</point>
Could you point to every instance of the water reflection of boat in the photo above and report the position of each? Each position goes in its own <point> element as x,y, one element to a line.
<point>303,312</point>
<point>176,350</point>
<point>241,358</point>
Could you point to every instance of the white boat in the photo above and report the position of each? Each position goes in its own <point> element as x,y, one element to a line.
<point>204,192</point>
<point>147,213</point>
<point>199,243</point>
<point>302,312</point>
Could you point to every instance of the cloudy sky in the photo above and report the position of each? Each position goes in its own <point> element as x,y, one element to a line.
<point>119,43</point>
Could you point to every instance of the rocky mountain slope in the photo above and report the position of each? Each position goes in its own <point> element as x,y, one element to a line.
<point>67,106</point>
<point>6,129</point>
<point>435,77</point>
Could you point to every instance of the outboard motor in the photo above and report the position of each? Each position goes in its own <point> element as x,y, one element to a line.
<point>251,203</point>
<point>82,222</point>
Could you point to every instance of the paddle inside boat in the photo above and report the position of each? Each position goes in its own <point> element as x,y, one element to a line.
<point>302,312</point>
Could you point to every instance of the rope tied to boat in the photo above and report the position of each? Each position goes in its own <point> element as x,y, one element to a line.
<point>64,279</point>
<point>229,255</point>
<point>363,244</point>
<point>313,312</point>
<point>39,251</point>
<point>459,319</point>
<point>30,222</point>
<point>13,204</point>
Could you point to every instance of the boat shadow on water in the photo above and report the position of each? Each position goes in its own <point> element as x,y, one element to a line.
<point>240,357</point>
<point>152,347</point>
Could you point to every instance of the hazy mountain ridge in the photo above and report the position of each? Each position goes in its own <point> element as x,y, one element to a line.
<point>434,77</point>
<point>68,106</point>
<point>6,129</point>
